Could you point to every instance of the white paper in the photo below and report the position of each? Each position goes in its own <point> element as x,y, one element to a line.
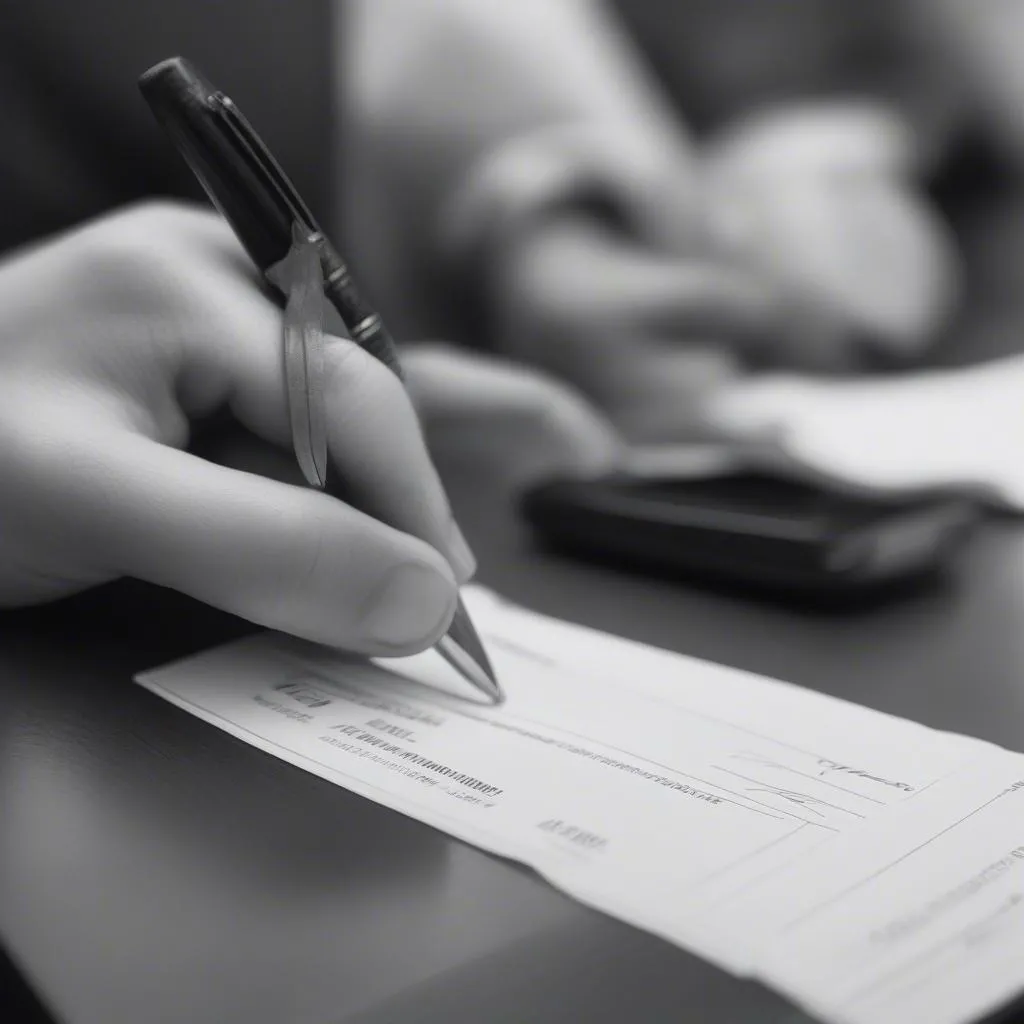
<point>960,428</point>
<point>742,818</point>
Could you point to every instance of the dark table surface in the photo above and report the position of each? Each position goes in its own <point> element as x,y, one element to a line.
<point>154,869</point>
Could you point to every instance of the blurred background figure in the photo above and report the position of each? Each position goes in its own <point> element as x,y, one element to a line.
<point>642,198</point>
<point>649,197</point>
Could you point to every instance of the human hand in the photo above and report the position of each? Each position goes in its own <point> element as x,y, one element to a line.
<point>117,338</point>
<point>822,197</point>
<point>646,334</point>
<point>504,421</point>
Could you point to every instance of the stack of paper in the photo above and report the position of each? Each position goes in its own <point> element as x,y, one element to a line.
<point>868,867</point>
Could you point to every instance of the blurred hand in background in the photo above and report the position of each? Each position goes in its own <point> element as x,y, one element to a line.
<point>530,150</point>
<point>823,197</point>
<point>796,241</point>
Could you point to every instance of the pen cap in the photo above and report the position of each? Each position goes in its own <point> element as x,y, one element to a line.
<point>241,178</point>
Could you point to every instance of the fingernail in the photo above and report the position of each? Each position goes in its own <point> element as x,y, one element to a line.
<point>460,554</point>
<point>412,608</point>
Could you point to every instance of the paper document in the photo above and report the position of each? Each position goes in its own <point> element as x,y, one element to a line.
<point>943,428</point>
<point>869,867</point>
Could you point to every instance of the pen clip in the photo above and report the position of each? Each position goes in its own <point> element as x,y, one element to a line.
<point>300,278</point>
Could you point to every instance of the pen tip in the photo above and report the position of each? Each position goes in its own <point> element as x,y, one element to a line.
<point>462,649</point>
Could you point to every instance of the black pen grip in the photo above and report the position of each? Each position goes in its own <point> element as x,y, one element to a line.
<point>363,322</point>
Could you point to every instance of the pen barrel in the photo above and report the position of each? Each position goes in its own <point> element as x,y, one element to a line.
<point>364,323</point>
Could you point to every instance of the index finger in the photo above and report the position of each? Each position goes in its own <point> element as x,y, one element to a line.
<point>378,458</point>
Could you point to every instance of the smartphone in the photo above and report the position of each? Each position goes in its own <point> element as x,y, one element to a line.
<point>753,530</point>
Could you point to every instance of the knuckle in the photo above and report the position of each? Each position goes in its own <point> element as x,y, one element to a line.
<point>146,236</point>
<point>296,588</point>
<point>148,255</point>
<point>128,248</point>
<point>169,218</point>
<point>117,254</point>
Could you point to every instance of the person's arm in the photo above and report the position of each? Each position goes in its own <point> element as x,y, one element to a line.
<point>461,114</point>
<point>519,160</point>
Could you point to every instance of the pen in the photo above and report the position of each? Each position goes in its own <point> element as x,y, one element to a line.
<point>248,186</point>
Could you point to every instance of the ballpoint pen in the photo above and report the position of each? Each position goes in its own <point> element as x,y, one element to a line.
<point>280,234</point>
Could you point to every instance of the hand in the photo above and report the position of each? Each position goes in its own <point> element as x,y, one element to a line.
<point>822,197</point>
<point>648,336</point>
<point>504,422</point>
<point>113,341</point>
<point>801,240</point>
